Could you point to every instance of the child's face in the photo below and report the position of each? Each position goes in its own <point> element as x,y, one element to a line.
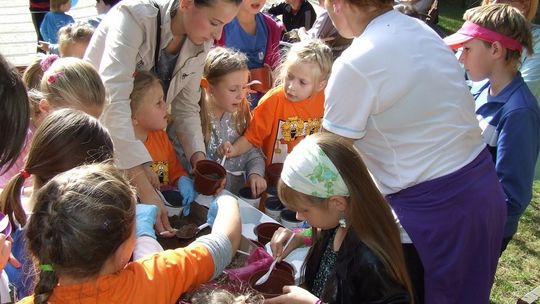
<point>229,92</point>
<point>152,112</point>
<point>252,6</point>
<point>75,49</point>
<point>205,23</point>
<point>301,82</point>
<point>101,7</point>
<point>65,7</point>
<point>324,217</point>
<point>476,57</point>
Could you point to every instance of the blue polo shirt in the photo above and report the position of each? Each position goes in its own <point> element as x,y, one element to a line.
<point>510,124</point>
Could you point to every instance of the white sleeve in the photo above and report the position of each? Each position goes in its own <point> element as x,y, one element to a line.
<point>187,120</point>
<point>350,99</point>
<point>118,61</point>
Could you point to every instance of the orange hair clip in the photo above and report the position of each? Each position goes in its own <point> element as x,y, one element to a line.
<point>204,83</point>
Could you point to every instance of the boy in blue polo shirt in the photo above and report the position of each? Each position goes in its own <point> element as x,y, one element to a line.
<point>493,38</point>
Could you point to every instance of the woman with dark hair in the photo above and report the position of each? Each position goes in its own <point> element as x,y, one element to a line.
<point>171,38</point>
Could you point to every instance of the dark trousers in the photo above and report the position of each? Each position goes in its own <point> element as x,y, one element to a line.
<point>416,271</point>
<point>37,18</point>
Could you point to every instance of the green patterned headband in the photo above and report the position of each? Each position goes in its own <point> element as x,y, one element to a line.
<point>308,170</point>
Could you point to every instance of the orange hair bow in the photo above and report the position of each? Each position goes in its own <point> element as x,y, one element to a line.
<point>204,83</point>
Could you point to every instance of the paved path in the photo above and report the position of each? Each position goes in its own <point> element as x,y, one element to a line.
<point>17,35</point>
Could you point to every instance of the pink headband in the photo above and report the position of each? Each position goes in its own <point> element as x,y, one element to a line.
<point>471,30</point>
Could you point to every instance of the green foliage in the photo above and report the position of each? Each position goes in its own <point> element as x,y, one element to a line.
<point>519,267</point>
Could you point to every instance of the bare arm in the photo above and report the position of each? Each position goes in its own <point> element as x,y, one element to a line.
<point>228,220</point>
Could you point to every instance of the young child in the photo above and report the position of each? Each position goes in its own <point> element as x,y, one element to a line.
<point>493,37</point>
<point>257,35</point>
<point>82,236</point>
<point>66,139</point>
<point>356,256</point>
<point>149,119</point>
<point>55,19</point>
<point>295,13</point>
<point>291,111</point>
<point>66,83</point>
<point>14,115</point>
<point>225,115</point>
<point>73,40</point>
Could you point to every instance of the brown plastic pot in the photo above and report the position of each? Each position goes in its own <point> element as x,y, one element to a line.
<point>208,176</point>
<point>265,231</point>
<point>273,172</point>
<point>286,267</point>
<point>273,287</point>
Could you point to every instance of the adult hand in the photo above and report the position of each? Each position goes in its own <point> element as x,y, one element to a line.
<point>145,216</point>
<point>148,195</point>
<point>280,238</point>
<point>187,189</point>
<point>257,184</point>
<point>195,158</point>
<point>293,294</point>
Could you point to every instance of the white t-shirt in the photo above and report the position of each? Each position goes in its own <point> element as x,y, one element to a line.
<point>400,92</point>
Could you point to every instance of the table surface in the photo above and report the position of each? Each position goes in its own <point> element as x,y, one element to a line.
<point>251,217</point>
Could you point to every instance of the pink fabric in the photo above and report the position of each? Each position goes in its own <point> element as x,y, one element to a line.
<point>258,259</point>
<point>471,30</point>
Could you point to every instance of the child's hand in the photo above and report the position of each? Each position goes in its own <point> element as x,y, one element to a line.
<point>294,294</point>
<point>257,184</point>
<point>145,216</point>
<point>44,46</point>
<point>280,237</point>
<point>226,148</point>
<point>187,189</point>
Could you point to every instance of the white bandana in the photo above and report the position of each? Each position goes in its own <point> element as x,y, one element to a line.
<point>308,170</point>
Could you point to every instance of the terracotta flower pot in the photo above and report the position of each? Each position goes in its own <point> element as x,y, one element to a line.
<point>265,231</point>
<point>273,172</point>
<point>208,176</point>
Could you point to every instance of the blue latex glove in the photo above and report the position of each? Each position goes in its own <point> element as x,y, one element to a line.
<point>212,212</point>
<point>145,218</point>
<point>187,189</point>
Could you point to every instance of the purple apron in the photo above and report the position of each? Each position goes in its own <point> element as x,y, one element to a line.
<point>456,223</point>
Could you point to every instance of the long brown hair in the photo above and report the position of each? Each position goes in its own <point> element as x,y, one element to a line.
<point>81,218</point>
<point>14,114</point>
<point>67,138</point>
<point>369,216</point>
<point>220,62</point>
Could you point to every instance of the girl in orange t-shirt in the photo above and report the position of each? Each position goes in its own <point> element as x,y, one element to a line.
<point>289,112</point>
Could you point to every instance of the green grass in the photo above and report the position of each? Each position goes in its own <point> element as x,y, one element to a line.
<point>519,267</point>
<point>450,15</point>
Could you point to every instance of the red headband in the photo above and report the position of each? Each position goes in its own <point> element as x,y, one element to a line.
<point>471,30</point>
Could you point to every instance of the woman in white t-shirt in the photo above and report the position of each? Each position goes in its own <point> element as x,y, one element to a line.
<point>413,122</point>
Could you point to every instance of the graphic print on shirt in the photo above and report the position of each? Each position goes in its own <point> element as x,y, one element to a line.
<point>162,170</point>
<point>290,132</point>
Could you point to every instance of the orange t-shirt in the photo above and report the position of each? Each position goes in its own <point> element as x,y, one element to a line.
<point>279,124</point>
<point>159,278</point>
<point>165,163</point>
